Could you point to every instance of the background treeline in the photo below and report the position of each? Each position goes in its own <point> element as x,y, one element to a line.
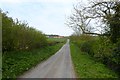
<point>17,35</point>
<point>101,49</point>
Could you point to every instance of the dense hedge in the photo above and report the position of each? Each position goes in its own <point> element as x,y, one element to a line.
<point>18,35</point>
<point>101,49</point>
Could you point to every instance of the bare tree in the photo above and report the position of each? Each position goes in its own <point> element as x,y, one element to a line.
<point>78,21</point>
<point>99,12</point>
<point>109,14</point>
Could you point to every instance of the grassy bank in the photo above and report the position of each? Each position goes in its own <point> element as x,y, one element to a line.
<point>15,63</point>
<point>86,67</point>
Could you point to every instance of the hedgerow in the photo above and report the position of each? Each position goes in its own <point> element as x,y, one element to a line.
<point>101,49</point>
<point>17,35</point>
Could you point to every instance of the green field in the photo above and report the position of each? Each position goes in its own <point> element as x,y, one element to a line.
<point>57,39</point>
<point>86,67</point>
<point>15,63</point>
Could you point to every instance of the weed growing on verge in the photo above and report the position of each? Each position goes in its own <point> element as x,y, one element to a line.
<point>15,63</point>
<point>86,67</point>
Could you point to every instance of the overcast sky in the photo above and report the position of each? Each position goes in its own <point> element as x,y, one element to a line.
<point>47,16</point>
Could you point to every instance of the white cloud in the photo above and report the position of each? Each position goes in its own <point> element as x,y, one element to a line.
<point>45,15</point>
<point>48,1</point>
<point>10,1</point>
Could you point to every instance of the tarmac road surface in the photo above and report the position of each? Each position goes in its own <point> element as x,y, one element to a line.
<point>57,66</point>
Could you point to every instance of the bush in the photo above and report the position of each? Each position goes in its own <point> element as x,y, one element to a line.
<point>87,47</point>
<point>19,36</point>
<point>101,49</point>
<point>84,42</point>
<point>116,53</point>
<point>115,60</point>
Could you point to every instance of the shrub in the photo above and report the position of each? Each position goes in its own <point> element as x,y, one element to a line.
<point>101,49</point>
<point>115,60</point>
<point>19,36</point>
<point>116,53</point>
<point>87,47</point>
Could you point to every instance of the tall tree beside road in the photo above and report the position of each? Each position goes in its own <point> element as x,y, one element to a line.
<point>101,18</point>
<point>106,15</point>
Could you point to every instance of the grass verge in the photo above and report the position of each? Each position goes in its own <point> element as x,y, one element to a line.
<point>15,63</point>
<point>86,67</point>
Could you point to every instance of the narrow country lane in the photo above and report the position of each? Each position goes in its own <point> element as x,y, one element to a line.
<point>57,66</point>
